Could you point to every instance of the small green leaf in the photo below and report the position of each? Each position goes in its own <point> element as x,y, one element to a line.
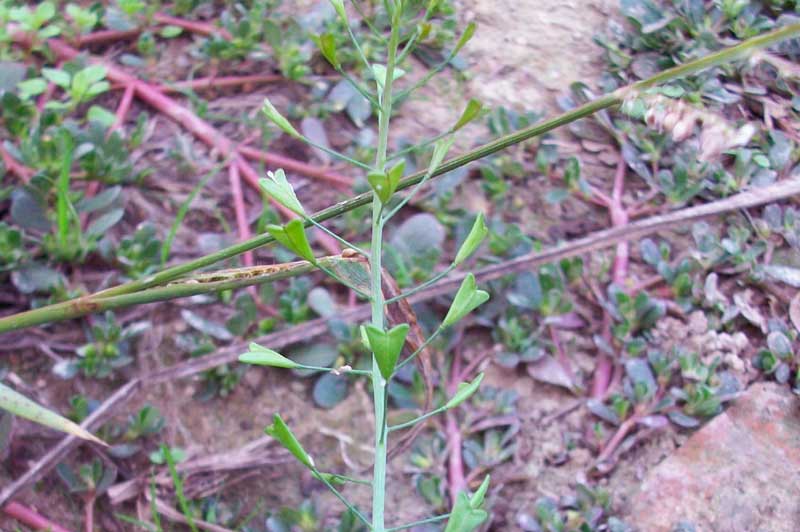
<point>101,115</point>
<point>279,188</point>
<point>292,236</point>
<point>440,150</point>
<point>280,431</point>
<point>263,356</point>
<point>470,112</point>
<point>21,406</point>
<point>327,46</point>
<point>464,392</point>
<point>379,71</point>
<point>170,31</point>
<point>278,119</point>
<point>31,87</point>
<point>465,37</point>
<point>467,516</point>
<point>386,345</point>
<point>467,299</point>
<point>385,183</point>
<point>57,77</point>
<point>476,235</point>
<point>476,501</point>
<point>338,5</point>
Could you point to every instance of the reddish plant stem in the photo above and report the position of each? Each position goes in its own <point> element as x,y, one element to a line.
<point>107,36</point>
<point>15,167</point>
<point>88,511</point>
<point>201,28</point>
<point>338,180</point>
<point>240,209</point>
<point>602,377</point>
<point>123,108</point>
<point>219,82</point>
<point>617,438</point>
<point>30,518</point>
<point>456,479</point>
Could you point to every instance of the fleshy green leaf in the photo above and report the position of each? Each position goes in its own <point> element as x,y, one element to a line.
<point>327,46</point>
<point>468,514</point>
<point>293,237</point>
<point>465,37</point>
<point>386,345</point>
<point>279,188</point>
<point>467,299</point>
<point>281,432</point>
<point>473,240</point>
<point>56,76</point>
<point>278,119</point>
<point>470,112</point>
<point>464,392</point>
<point>21,406</point>
<point>263,356</point>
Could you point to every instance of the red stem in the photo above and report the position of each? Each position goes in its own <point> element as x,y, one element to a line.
<point>456,479</point>
<point>201,28</point>
<point>220,82</point>
<point>123,108</point>
<point>30,518</point>
<point>240,209</point>
<point>14,166</point>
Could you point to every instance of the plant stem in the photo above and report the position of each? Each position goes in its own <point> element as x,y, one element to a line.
<point>379,384</point>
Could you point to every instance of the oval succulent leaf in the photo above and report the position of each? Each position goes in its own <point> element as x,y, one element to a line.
<point>386,345</point>
<point>281,432</point>
<point>278,119</point>
<point>467,299</point>
<point>263,356</point>
<point>293,237</point>
<point>476,235</point>
<point>279,189</point>
<point>21,406</point>
<point>464,392</point>
<point>470,112</point>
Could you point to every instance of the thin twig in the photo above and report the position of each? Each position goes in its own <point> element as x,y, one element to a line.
<point>31,518</point>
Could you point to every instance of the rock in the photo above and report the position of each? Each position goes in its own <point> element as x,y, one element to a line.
<point>739,473</point>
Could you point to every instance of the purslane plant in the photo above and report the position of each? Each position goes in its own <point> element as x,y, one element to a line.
<point>385,340</point>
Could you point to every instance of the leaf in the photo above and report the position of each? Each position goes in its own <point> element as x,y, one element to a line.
<point>386,345</point>
<point>57,77</point>
<point>170,31</point>
<point>474,239</point>
<point>779,344</point>
<point>263,356</point>
<point>27,211</point>
<point>682,420</point>
<point>465,37</point>
<point>280,431</point>
<point>314,131</point>
<point>292,236</point>
<point>784,274</point>
<point>379,71</point>
<point>327,46</point>
<point>278,119</point>
<point>464,392</point>
<point>103,223</point>
<point>472,110</point>
<point>101,115</point>
<point>279,189</point>
<point>317,355</point>
<point>419,237</point>
<point>31,87</point>
<point>321,302</point>
<point>213,329</point>
<point>103,200</point>
<point>548,369</point>
<point>468,514</point>
<point>440,150</point>
<point>33,278</point>
<point>467,299</point>
<point>21,406</point>
<point>329,390</point>
<point>11,74</point>
<point>338,5</point>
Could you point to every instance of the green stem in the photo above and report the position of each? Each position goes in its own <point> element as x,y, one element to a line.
<point>379,384</point>
<point>435,519</point>
<point>422,286</point>
<point>60,310</point>
<point>425,344</point>
<point>416,420</point>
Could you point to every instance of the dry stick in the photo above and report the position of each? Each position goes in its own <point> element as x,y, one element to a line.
<point>218,82</point>
<point>28,517</point>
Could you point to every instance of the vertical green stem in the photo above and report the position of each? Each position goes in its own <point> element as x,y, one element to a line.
<point>378,382</point>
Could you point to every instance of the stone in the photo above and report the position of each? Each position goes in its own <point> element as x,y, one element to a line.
<point>739,473</point>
